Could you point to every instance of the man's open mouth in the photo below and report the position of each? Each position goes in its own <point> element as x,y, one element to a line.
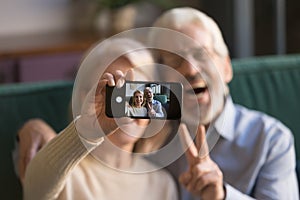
<point>198,89</point>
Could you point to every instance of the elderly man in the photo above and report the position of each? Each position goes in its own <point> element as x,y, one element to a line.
<point>254,155</point>
<point>153,106</point>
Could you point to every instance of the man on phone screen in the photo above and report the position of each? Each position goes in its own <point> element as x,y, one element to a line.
<point>153,106</point>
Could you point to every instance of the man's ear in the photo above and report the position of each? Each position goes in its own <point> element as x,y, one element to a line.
<point>228,73</point>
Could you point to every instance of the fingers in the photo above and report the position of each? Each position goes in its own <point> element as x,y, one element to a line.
<point>188,144</point>
<point>100,86</point>
<point>207,183</point>
<point>193,152</point>
<point>34,134</point>
<point>201,143</point>
<point>209,187</point>
<point>129,75</point>
<point>26,155</point>
<point>206,180</point>
<point>120,78</point>
<point>198,172</point>
<point>109,78</point>
<point>114,79</point>
<point>185,178</point>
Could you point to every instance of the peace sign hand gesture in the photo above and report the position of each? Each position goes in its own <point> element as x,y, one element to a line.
<point>151,111</point>
<point>203,177</point>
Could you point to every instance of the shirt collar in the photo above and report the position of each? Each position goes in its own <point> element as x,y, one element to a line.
<point>224,124</point>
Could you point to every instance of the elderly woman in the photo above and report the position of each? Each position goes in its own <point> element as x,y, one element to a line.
<point>137,109</point>
<point>80,163</point>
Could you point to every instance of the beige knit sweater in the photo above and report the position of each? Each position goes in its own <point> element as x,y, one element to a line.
<point>65,169</point>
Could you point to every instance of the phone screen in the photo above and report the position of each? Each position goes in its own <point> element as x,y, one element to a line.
<point>136,99</point>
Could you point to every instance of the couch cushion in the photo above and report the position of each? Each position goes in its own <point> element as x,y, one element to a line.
<point>161,98</point>
<point>270,84</point>
<point>18,103</point>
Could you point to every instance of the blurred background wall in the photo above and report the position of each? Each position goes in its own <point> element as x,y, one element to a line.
<point>56,32</point>
<point>18,17</point>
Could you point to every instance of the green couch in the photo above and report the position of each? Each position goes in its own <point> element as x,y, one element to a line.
<point>18,103</point>
<point>270,84</point>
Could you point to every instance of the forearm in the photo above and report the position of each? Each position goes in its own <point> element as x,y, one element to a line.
<point>47,172</point>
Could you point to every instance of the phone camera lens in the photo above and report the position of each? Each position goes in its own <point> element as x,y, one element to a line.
<point>119,99</point>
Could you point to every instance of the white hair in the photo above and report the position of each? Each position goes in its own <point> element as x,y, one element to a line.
<point>178,17</point>
<point>103,54</point>
<point>134,51</point>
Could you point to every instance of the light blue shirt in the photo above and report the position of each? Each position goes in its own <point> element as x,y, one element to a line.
<point>157,107</point>
<point>255,153</point>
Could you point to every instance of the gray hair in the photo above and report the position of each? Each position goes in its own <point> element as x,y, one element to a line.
<point>103,54</point>
<point>177,17</point>
<point>134,51</point>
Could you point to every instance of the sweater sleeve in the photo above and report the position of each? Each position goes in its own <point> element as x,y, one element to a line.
<point>47,172</point>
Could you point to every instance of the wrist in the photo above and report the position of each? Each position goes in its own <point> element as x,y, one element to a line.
<point>85,132</point>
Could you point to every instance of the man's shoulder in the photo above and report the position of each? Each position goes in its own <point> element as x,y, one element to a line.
<point>259,121</point>
<point>258,132</point>
<point>155,101</point>
<point>244,113</point>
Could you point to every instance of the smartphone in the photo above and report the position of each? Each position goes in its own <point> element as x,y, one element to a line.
<point>165,103</point>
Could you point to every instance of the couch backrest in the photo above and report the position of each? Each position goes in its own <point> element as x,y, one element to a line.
<point>270,84</point>
<point>18,103</point>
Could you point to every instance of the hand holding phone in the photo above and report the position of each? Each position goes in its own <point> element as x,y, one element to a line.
<point>93,122</point>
